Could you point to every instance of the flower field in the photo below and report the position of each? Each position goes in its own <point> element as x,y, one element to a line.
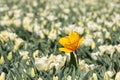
<point>59,39</point>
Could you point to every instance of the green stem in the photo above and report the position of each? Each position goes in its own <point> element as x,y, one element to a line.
<point>77,58</point>
<point>74,59</point>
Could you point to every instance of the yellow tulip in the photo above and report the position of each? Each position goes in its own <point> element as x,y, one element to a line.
<point>71,42</point>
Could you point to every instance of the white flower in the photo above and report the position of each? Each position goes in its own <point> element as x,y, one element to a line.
<point>35,53</point>
<point>95,55</point>
<point>41,63</point>
<point>57,25</point>
<point>95,76</point>
<point>36,27</point>
<point>17,13</point>
<point>35,3</point>
<point>24,54</point>
<point>26,24</point>
<point>97,34</point>
<point>40,78</point>
<point>79,29</point>
<point>118,47</point>
<point>110,73</point>
<point>108,24</point>
<point>100,40</point>
<point>67,11</point>
<point>46,63</point>
<point>108,49</point>
<point>72,28</point>
<point>87,41</point>
<point>56,61</point>
<point>117,77</point>
<point>3,9</point>
<point>6,35</point>
<point>12,36</point>
<point>51,17</point>
<point>83,65</point>
<point>17,22</point>
<point>41,34</point>
<point>55,77</point>
<point>69,78</point>
<point>2,76</point>
<point>52,36</point>
<point>102,48</point>
<point>31,15</point>
<point>92,66</point>
<point>107,35</point>
<point>69,29</point>
<point>18,43</point>
<point>93,26</point>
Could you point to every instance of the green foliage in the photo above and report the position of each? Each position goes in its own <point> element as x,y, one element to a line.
<point>19,34</point>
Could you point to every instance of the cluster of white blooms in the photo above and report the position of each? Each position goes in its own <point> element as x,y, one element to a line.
<point>110,73</point>
<point>94,77</point>
<point>52,36</point>
<point>24,54</point>
<point>72,28</point>
<point>89,42</point>
<point>117,48</point>
<point>93,26</point>
<point>106,49</point>
<point>6,35</point>
<point>109,49</point>
<point>85,67</point>
<point>48,19</point>
<point>95,55</point>
<point>46,63</point>
<point>98,34</point>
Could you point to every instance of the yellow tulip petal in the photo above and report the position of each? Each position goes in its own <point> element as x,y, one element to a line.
<point>72,46</point>
<point>80,41</point>
<point>63,41</point>
<point>74,37</point>
<point>65,50</point>
<point>71,42</point>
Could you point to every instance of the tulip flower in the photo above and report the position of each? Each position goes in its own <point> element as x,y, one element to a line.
<point>70,43</point>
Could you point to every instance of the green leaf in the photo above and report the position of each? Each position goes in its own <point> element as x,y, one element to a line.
<point>73,60</point>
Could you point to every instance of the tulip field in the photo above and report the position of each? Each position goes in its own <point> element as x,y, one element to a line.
<point>59,39</point>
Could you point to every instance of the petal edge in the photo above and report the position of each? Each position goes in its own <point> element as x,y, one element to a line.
<point>65,50</point>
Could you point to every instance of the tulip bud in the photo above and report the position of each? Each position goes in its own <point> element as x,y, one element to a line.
<point>2,76</point>
<point>14,78</point>
<point>114,28</point>
<point>35,54</point>
<point>110,73</point>
<point>106,77</point>
<point>69,78</point>
<point>18,43</point>
<point>32,72</point>
<point>2,60</point>
<point>93,45</point>
<point>9,57</point>
<point>107,35</point>
<point>40,78</point>
<point>55,77</point>
<point>27,63</point>
<point>52,36</point>
<point>42,36</point>
<point>87,31</point>
<point>94,77</point>
<point>117,77</point>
